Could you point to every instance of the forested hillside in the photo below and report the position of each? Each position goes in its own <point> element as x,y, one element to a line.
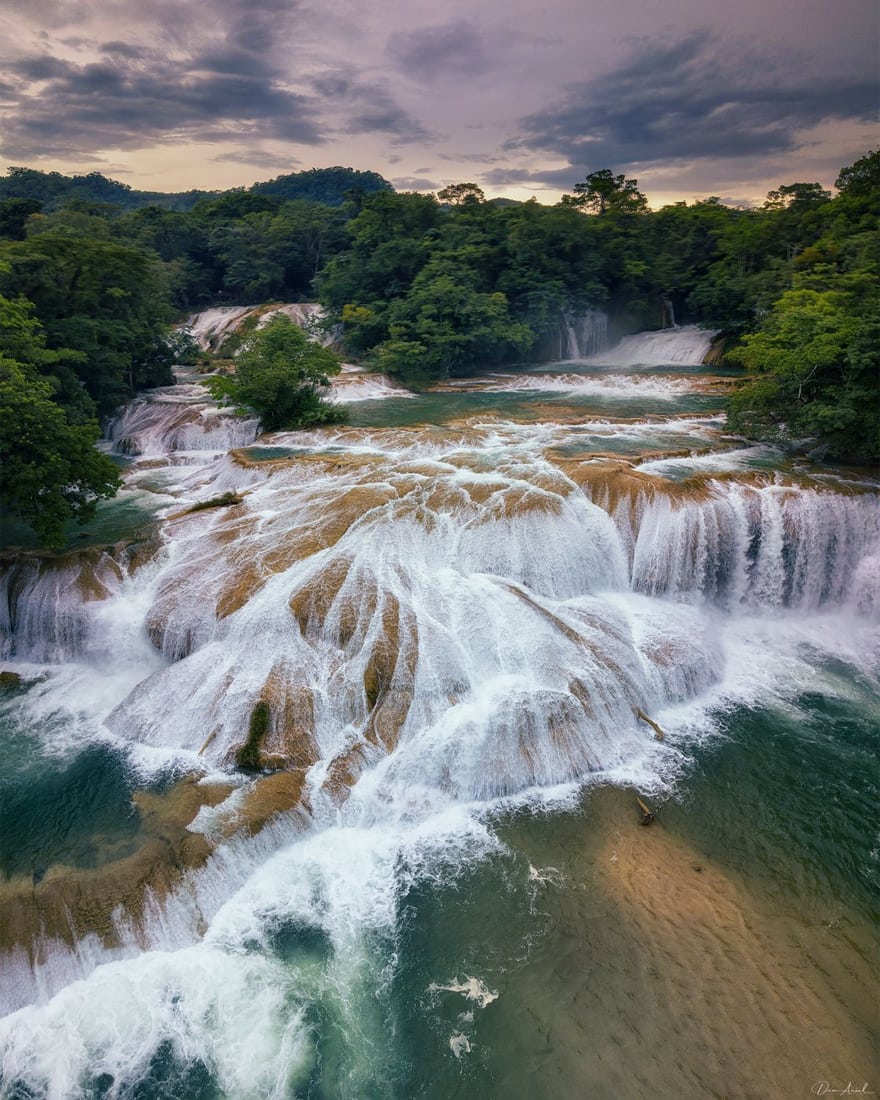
<point>425,287</point>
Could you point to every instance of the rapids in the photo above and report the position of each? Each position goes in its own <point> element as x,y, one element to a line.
<point>440,624</point>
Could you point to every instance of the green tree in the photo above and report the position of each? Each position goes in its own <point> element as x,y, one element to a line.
<point>14,214</point>
<point>106,300</point>
<point>50,471</point>
<point>461,194</point>
<point>604,193</point>
<point>444,326</point>
<point>283,377</point>
<point>861,178</point>
<point>814,367</point>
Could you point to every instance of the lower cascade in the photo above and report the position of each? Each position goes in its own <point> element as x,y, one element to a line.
<point>337,658</point>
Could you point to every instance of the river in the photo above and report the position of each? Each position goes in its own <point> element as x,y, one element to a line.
<point>437,625</point>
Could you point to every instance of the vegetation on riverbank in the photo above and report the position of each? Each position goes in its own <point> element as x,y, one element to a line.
<point>92,274</point>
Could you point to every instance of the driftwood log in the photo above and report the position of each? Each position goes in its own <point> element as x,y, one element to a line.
<point>648,814</point>
<point>658,733</point>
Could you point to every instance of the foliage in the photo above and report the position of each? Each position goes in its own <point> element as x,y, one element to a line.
<point>602,193</point>
<point>50,471</point>
<point>106,300</point>
<point>461,194</point>
<point>281,376</point>
<point>444,327</point>
<point>52,190</point>
<point>329,186</point>
<point>14,214</point>
<point>861,179</point>
<point>815,367</point>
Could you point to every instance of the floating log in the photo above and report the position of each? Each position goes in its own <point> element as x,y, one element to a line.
<point>648,814</point>
<point>208,741</point>
<point>658,733</point>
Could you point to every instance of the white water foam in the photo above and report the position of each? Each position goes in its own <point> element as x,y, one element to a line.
<point>350,388</point>
<point>685,346</point>
<point>210,327</point>
<point>528,622</point>
<point>615,386</point>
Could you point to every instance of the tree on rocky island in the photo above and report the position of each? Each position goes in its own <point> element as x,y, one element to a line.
<point>282,377</point>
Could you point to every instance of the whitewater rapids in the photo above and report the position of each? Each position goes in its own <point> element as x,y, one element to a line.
<point>441,622</point>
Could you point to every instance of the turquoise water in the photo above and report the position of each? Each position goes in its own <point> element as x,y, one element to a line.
<point>445,407</point>
<point>539,947</point>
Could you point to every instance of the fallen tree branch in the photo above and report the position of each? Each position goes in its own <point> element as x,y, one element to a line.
<point>658,733</point>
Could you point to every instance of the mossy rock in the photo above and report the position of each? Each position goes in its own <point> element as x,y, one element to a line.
<point>10,681</point>
<point>250,755</point>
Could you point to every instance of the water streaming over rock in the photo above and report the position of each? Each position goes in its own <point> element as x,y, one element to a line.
<point>178,418</point>
<point>211,327</point>
<point>687,345</point>
<point>433,623</point>
<point>583,334</point>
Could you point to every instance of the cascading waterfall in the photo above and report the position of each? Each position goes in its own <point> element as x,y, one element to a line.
<point>210,327</point>
<point>687,345</point>
<point>178,418</point>
<point>583,334</point>
<point>433,624</point>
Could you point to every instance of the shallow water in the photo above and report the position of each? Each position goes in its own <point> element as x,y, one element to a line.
<point>455,604</point>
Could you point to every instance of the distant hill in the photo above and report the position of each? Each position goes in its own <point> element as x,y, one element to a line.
<point>325,185</point>
<point>53,190</point>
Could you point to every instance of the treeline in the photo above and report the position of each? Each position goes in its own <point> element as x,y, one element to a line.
<point>51,190</point>
<point>427,286</point>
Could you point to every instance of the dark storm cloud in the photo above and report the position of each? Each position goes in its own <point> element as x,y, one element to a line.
<point>40,67</point>
<point>687,99</point>
<point>124,49</point>
<point>370,108</point>
<point>453,48</point>
<point>118,104</point>
<point>226,71</point>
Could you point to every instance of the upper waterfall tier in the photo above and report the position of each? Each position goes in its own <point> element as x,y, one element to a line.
<point>210,327</point>
<point>685,346</point>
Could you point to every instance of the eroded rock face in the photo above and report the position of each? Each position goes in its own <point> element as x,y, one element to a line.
<point>67,903</point>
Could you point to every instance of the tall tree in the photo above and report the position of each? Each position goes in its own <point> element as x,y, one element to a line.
<point>604,193</point>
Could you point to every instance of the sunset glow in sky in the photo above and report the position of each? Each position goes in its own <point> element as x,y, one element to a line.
<point>693,98</point>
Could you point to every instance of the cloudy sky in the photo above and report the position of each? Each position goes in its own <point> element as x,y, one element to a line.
<point>693,97</point>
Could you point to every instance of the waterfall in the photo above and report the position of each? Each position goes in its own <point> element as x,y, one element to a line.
<point>435,624</point>
<point>210,327</point>
<point>685,346</point>
<point>47,604</point>
<point>583,334</point>
<point>178,418</point>
<point>757,546</point>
